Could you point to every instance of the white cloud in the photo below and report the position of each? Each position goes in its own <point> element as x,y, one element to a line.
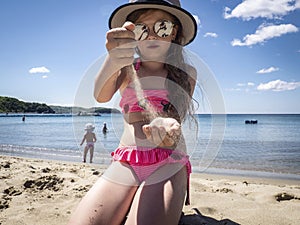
<point>242,87</point>
<point>249,84</point>
<point>210,34</point>
<point>278,85</point>
<point>265,32</point>
<point>233,89</point>
<point>197,19</point>
<point>245,87</point>
<point>271,9</point>
<point>268,70</point>
<point>41,69</point>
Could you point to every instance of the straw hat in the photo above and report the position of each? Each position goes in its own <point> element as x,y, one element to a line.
<point>89,127</point>
<point>189,25</point>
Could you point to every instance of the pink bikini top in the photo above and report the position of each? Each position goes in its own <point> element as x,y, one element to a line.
<point>157,98</point>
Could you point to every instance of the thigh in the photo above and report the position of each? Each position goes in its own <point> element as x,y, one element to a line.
<point>108,201</point>
<point>91,150</point>
<point>160,202</point>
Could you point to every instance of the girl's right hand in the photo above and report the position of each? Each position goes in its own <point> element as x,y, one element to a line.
<point>120,44</point>
<point>163,132</point>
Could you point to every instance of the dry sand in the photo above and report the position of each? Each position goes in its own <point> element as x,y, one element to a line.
<point>46,192</point>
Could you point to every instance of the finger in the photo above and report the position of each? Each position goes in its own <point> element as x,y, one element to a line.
<point>126,43</point>
<point>112,43</point>
<point>147,131</point>
<point>122,53</point>
<point>156,138</point>
<point>120,43</point>
<point>175,130</point>
<point>168,141</point>
<point>162,133</point>
<point>129,25</point>
<point>120,32</point>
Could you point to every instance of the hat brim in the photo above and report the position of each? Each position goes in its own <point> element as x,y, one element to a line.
<point>89,128</point>
<point>189,25</point>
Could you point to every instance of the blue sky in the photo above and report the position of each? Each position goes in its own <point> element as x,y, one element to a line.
<point>252,47</point>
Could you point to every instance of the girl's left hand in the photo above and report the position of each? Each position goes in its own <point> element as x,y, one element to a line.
<point>163,132</point>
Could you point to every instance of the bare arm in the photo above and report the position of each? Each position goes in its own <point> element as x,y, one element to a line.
<point>121,45</point>
<point>83,139</point>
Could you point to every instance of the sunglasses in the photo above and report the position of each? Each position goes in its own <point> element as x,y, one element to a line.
<point>162,28</point>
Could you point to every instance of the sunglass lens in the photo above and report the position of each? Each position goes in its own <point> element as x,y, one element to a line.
<point>163,28</point>
<point>141,32</point>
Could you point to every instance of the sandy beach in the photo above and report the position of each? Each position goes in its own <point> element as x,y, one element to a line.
<point>42,192</point>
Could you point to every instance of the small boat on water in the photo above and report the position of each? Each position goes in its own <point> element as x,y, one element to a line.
<point>251,121</point>
<point>88,114</point>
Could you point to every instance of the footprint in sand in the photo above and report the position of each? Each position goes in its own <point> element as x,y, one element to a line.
<point>4,204</point>
<point>5,165</point>
<point>11,191</point>
<point>7,197</point>
<point>51,182</point>
<point>285,197</point>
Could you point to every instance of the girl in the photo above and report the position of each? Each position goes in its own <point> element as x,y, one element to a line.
<point>148,179</point>
<point>90,138</point>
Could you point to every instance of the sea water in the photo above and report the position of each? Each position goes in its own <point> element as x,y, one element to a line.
<point>271,147</point>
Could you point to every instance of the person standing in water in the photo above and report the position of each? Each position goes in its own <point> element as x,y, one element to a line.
<point>90,138</point>
<point>104,129</point>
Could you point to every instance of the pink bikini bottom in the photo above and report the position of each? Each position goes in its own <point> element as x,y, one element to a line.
<point>90,144</point>
<point>144,161</point>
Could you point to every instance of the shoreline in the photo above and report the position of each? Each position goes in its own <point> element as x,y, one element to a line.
<point>104,159</point>
<point>255,174</point>
<point>214,172</point>
<point>45,192</point>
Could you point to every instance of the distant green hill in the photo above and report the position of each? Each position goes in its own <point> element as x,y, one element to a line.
<point>82,111</point>
<point>13,105</point>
